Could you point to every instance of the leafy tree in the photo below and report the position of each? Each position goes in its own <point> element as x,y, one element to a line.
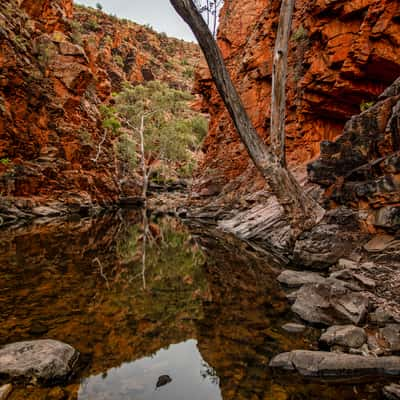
<point>170,129</point>
<point>158,120</point>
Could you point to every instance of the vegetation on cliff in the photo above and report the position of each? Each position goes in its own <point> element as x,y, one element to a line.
<point>60,65</point>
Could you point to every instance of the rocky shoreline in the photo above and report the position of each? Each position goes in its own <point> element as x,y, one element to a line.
<point>21,211</point>
<point>352,294</point>
<point>359,316</point>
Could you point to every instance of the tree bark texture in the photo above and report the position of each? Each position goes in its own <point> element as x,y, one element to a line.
<point>302,210</point>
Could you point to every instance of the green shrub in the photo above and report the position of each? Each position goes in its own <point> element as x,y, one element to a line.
<point>110,119</point>
<point>168,65</point>
<point>126,150</point>
<point>119,60</point>
<point>92,25</point>
<point>188,73</point>
<point>169,131</point>
<point>300,34</point>
<point>200,127</point>
<point>365,105</point>
<point>5,161</point>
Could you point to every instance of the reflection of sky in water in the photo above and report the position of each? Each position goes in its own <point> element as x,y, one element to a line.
<point>191,377</point>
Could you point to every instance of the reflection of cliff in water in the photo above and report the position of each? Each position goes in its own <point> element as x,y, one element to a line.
<point>80,282</point>
<point>210,319</point>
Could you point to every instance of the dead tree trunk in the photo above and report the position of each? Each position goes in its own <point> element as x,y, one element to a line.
<point>279,72</point>
<point>143,161</point>
<point>302,210</point>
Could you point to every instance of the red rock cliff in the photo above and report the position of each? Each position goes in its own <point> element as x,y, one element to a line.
<point>57,65</point>
<point>342,54</point>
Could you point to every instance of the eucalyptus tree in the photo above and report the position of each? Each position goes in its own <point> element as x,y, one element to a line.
<point>301,209</point>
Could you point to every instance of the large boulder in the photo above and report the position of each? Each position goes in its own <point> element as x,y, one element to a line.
<point>42,360</point>
<point>330,303</point>
<point>344,335</point>
<point>322,247</point>
<point>339,366</point>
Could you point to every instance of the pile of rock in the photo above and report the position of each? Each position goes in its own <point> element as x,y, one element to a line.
<point>360,338</point>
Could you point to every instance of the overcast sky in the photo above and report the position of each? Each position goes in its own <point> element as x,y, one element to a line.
<point>158,13</point>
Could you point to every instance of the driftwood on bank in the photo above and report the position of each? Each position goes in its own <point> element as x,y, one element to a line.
<point>302,210</point>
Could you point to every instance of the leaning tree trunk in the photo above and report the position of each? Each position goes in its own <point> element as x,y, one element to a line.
<point>302,210</point>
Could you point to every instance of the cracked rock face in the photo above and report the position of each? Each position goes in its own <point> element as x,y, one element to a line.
<point>43,360</point>
<point>58,63</point>
<point>342,54</point>
<point>330,303</point>
<point>362,167</point>
<point>322,247</point>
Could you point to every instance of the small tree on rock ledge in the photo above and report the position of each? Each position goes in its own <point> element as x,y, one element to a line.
<point>302,210</point>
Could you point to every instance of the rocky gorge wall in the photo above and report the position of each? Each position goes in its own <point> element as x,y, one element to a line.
<point>58,64</point>
<point>343,54</point>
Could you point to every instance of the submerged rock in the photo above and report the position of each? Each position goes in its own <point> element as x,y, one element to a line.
<point>344,335</point>
<point>45,360</point>
<point>330,303</point>
<point>321,364</point>
<point>292,327</point>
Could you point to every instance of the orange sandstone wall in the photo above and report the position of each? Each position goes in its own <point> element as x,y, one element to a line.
<point>342,54</point>
<point>58,63</point>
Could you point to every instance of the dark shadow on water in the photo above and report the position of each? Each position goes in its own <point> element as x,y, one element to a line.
<point>204,326</point>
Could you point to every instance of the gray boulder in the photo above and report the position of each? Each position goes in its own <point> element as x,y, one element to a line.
<point>43,360</point>
<point>292,278</point>
<point>344,335</point>
<point>329,304</point>
<point>322,247</point>
<point>338,366</point>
